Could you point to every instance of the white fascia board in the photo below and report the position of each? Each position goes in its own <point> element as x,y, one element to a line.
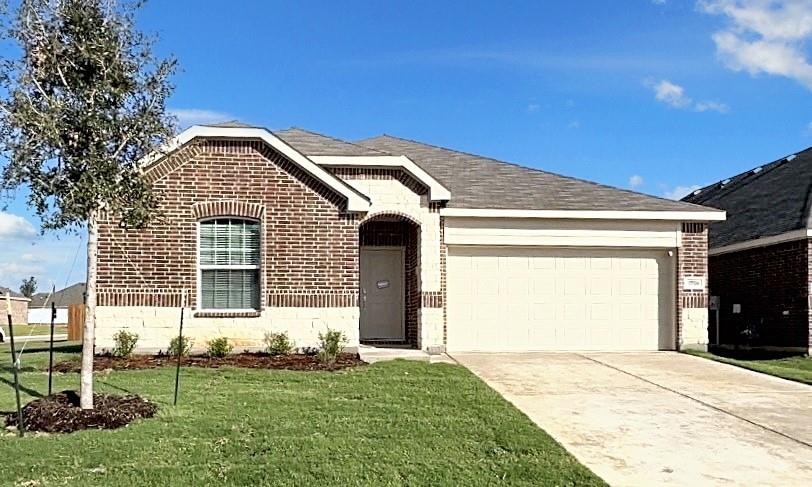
<point>437,192</point>
<point>356,202</point>
<point>762,242</point>
<point>685,216</point>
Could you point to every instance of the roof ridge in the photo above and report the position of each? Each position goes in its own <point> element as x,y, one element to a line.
<point>571,178</point>
<point>757,171</point>
<point>312,132</point>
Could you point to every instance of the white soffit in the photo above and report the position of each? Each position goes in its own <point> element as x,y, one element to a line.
<point>356,202</point>
<point>437,192</point>
<point>701,216</point>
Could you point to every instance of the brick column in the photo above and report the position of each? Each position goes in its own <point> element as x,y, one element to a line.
<point>692,305</point>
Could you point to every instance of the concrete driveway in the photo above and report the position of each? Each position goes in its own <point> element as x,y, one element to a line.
<point>662,417</point>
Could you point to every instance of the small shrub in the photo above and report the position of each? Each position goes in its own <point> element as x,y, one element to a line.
<point>278,344</point>
<point>180,346</point>
<point>125,343</point>
<point>219,347</point>
<point>331,345</point>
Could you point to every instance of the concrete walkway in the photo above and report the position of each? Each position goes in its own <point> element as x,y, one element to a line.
<point>663,417</point>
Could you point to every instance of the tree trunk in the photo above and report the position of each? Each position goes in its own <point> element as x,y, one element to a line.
<point>86,391</point>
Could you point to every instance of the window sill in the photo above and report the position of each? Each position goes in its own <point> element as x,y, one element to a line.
<point>227,314</point>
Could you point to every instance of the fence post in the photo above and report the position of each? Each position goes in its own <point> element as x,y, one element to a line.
<point>14,362</point>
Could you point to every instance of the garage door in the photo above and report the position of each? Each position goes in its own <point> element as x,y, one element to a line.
<point>523,299</point>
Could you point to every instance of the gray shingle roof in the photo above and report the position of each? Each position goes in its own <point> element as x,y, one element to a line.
<point>769,200</point>
<point>74,294</point>
<point>313,144</point>
<point>482,182</point>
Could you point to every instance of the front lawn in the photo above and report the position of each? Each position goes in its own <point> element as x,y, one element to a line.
<point>797,368</point>
<point>389,423</point>
<point>26,330</point>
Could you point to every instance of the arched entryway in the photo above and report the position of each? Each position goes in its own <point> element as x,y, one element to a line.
<point>390,280</point>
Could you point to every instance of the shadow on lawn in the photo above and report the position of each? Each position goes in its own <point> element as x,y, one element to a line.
<point>742,354</point>
<point>27,390</point>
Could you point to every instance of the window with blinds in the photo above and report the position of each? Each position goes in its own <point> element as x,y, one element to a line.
<point>229,264</point>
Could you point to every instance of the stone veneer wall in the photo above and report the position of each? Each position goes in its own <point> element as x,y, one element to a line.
<point>692,306</point>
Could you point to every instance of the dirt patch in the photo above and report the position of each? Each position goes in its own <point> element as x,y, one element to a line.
<point>60,412</point>
<point>245,360</point>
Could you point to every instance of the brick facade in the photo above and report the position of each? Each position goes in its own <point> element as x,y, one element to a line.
<point>309,245</point>
<point>692,305</point>
<point>771,286</point>
<point>309,249</point>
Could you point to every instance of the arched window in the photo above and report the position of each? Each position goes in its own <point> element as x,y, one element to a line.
<point>229,256</point>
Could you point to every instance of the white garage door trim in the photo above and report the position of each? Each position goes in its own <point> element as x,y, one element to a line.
<point>554,298</point>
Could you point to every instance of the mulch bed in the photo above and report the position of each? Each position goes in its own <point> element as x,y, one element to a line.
<point>60,412</point>
<point>245,360</point>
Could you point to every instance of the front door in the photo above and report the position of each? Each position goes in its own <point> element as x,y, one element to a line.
<point>382,297</point>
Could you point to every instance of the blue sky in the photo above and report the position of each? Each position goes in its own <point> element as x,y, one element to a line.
<point>653,95</point>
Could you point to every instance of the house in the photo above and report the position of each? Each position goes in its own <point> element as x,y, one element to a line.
<point>19,306</point>
<point>393,241</point>
<point>39,309</point>
<point>760,256</point>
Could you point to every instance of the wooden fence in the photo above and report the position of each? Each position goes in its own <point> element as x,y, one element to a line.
<point>76,321</point>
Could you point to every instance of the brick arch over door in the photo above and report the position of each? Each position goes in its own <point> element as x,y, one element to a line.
<point>395,229</point>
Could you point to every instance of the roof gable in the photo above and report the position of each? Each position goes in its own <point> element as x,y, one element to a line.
<point>356,202</point>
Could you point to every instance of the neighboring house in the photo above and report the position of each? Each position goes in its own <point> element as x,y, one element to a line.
<point>39,309</point>
<point>19,307</point>
<point>760,256</point>
<point>393,241</point>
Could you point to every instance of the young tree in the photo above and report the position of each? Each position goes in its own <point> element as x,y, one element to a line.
<point>80,107</point>
<point>28,287</point>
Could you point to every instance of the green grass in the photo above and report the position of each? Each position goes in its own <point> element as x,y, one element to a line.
<point>391,423</point>
<point>797,368</point>
<point>25,330</point>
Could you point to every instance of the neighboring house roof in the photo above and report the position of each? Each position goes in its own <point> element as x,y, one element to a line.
<point>313,144</point>
<point>483,182</point>
<point>766,201</point>
<point>14,295</point>
<point>74,294</point>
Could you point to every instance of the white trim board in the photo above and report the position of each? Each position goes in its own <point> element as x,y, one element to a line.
<point>700,216</point>
<point>437,192</point>
<point>762,242</point>
<point>356,202</point>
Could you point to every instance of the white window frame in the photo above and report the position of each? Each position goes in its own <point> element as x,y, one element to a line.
<point>200,268</point>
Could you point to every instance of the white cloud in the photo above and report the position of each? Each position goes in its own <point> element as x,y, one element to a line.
<point>635,181</point>
<point>764,36</point>
<point>197,116</point>
<point>575,124</point>
<point>674,95</point>
<point>533,107</point>
<point>15,227</point>
<point>680,192</point>
<point>671,94</point>
<point>809,129</point>
<point>659,2</point>
<point>714,106</point>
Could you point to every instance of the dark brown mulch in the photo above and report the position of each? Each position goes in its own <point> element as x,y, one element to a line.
<point>60,412</point>
<point>245,360</point>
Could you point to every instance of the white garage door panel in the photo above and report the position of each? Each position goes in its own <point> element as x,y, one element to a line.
<point>514,299</point>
